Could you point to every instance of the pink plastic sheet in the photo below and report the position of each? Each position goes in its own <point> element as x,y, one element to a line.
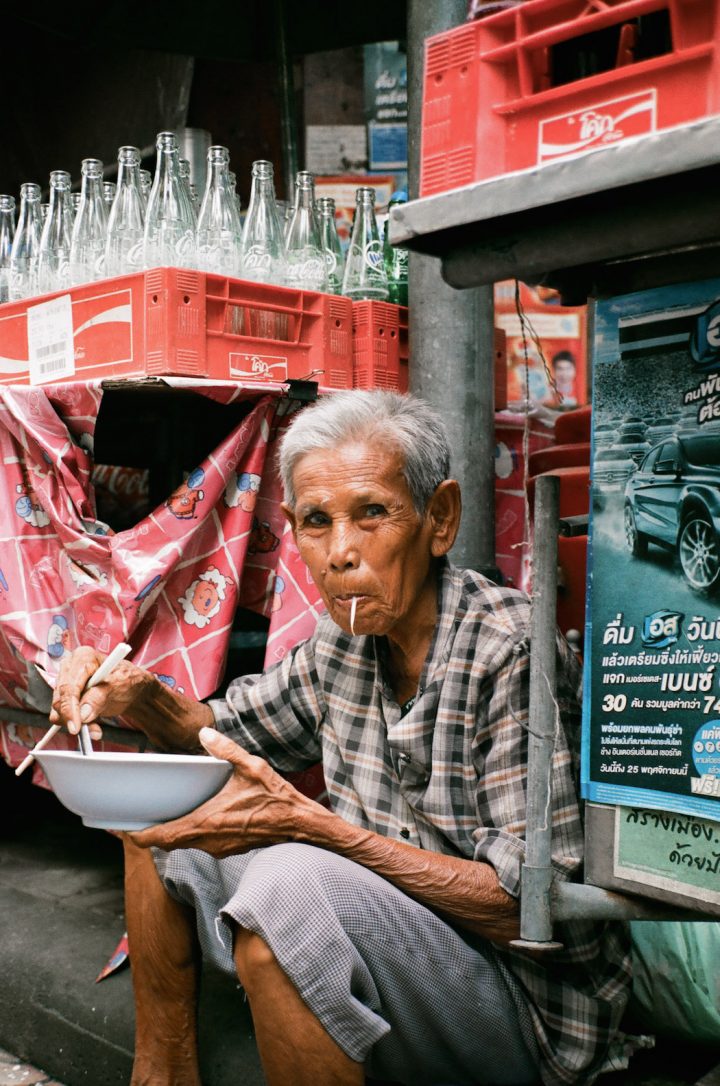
<point>170,584</point>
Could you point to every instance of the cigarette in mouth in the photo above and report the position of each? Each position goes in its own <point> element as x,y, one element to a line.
<point>353,609</point>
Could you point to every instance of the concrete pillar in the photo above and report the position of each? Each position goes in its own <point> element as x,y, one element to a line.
<point>451,332</point>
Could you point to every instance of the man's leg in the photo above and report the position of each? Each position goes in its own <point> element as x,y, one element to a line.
<point>165,968</point>
<point>295,1049</point>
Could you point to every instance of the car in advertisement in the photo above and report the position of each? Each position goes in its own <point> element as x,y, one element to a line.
<point>673,501</point>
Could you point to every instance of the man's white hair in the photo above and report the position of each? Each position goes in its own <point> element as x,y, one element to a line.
<point>401,420</point>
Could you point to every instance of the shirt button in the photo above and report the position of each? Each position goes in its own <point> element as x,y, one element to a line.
<point>405,832</point>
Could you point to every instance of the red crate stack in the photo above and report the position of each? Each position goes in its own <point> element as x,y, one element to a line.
<point>379,336</point>
<point>177,322</point>
<point>508,92</point>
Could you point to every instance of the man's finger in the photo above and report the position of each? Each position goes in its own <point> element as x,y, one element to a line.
<point>220,746</point>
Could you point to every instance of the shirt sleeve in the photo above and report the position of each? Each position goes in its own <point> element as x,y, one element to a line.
<point>501,752</point>
<point>276,715</point>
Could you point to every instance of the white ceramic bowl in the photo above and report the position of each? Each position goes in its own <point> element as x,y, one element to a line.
<point>129,791</point>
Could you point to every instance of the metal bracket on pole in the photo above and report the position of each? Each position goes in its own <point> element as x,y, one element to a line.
<point>537,873</point>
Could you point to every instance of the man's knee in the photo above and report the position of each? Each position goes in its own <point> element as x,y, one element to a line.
<point>254,960</point>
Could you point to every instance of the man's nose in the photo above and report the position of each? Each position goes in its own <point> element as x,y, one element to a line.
<point>343,554</point>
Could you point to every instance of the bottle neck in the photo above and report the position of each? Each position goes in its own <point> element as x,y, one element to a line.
<point>304,199</point>
<point>128,176</point>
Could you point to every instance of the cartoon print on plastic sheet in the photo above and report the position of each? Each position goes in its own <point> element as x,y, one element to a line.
<point>78,582</point>
<point>262,538</point>
<point>202,599</point>
<point>28,507</point>
<point>182,501</point>
<point>170,682</point>
<point>59,638</point>
<point>242,490</point>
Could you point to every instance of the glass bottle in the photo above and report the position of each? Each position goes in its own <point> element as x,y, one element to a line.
<point>195,197</point>
<point>365,276</point>
<point>109,190</point>
<point>145,184</point>
<point>216,234</point>
<point>236,207</point>
<point>22,281</point>
<point>184,170</point>
<point>87,251</point>
<point>396,258</point>
<point>56,239</point>
<point>44,212</point>
<point>75,198</point>
<point>306,268</point>
<point>262,252</point>
<point>126,224</point>
<point>169,229</point>
<point>7,230</point>
<point>334,257</point>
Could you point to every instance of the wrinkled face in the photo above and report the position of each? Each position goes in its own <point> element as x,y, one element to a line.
<point>360,535</point>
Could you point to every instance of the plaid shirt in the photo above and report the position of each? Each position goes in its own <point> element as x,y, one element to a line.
<point>450,776</point>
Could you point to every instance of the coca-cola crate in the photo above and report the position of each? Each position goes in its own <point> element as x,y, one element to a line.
<point>177,322</point>
<point>553,78</point>
<point>377,345</point>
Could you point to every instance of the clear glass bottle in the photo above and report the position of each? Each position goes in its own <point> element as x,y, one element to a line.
<point>365,277</point>
<point>184,170</point>
<point>145,184</point>
<point>75,198</point>
<point>109,190</point>
<point>7,231</point>
<point>396,258</point>
<point>237,206</point>
<point>334,256</point>
<point>87,252</point>
<point>126,224</point>
<point>195,197</point>
<point>22,281</point>
<point>216,234</point>
<point>44,212</point>
<point>262,252</point>
<point>169,230</point>
<point>56,239</point>
<point>306,268</point>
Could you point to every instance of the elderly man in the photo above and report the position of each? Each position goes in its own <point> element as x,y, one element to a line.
<point>374,936</point>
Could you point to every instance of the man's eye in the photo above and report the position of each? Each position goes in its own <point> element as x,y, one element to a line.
<point>374,510</point>
<point>316,520</point>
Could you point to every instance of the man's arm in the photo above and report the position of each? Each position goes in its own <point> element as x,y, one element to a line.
<point>257,807</point>
<point>466,892</point>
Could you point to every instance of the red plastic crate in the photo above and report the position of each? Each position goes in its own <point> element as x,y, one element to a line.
<point>177,322</point>
<point>501,94</point>
<point>377,345</point>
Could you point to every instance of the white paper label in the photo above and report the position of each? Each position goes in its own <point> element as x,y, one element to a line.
<point>50,340</point>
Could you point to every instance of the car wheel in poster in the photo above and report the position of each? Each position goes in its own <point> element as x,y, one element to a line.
<point>636,541</point>
<point>699,553</point>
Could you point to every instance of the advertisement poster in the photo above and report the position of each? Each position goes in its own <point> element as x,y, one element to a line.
<point>651,725</point>
<point>561,332</point>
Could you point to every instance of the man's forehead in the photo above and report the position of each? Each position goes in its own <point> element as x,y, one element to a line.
<point>354,467</point>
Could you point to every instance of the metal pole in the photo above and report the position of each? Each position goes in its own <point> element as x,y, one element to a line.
<point>536,879</point>
<point>452,361</point>
<point>288,117</point>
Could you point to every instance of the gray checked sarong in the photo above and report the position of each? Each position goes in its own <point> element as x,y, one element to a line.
<point>396,987</point>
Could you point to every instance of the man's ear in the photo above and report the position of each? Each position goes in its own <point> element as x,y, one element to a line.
<point>444,512</point>
<point>290,516</point>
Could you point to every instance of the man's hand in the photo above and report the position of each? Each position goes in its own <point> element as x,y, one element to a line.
<point>71,707</point>
<point>255,808</point>
<point>171,721</point>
